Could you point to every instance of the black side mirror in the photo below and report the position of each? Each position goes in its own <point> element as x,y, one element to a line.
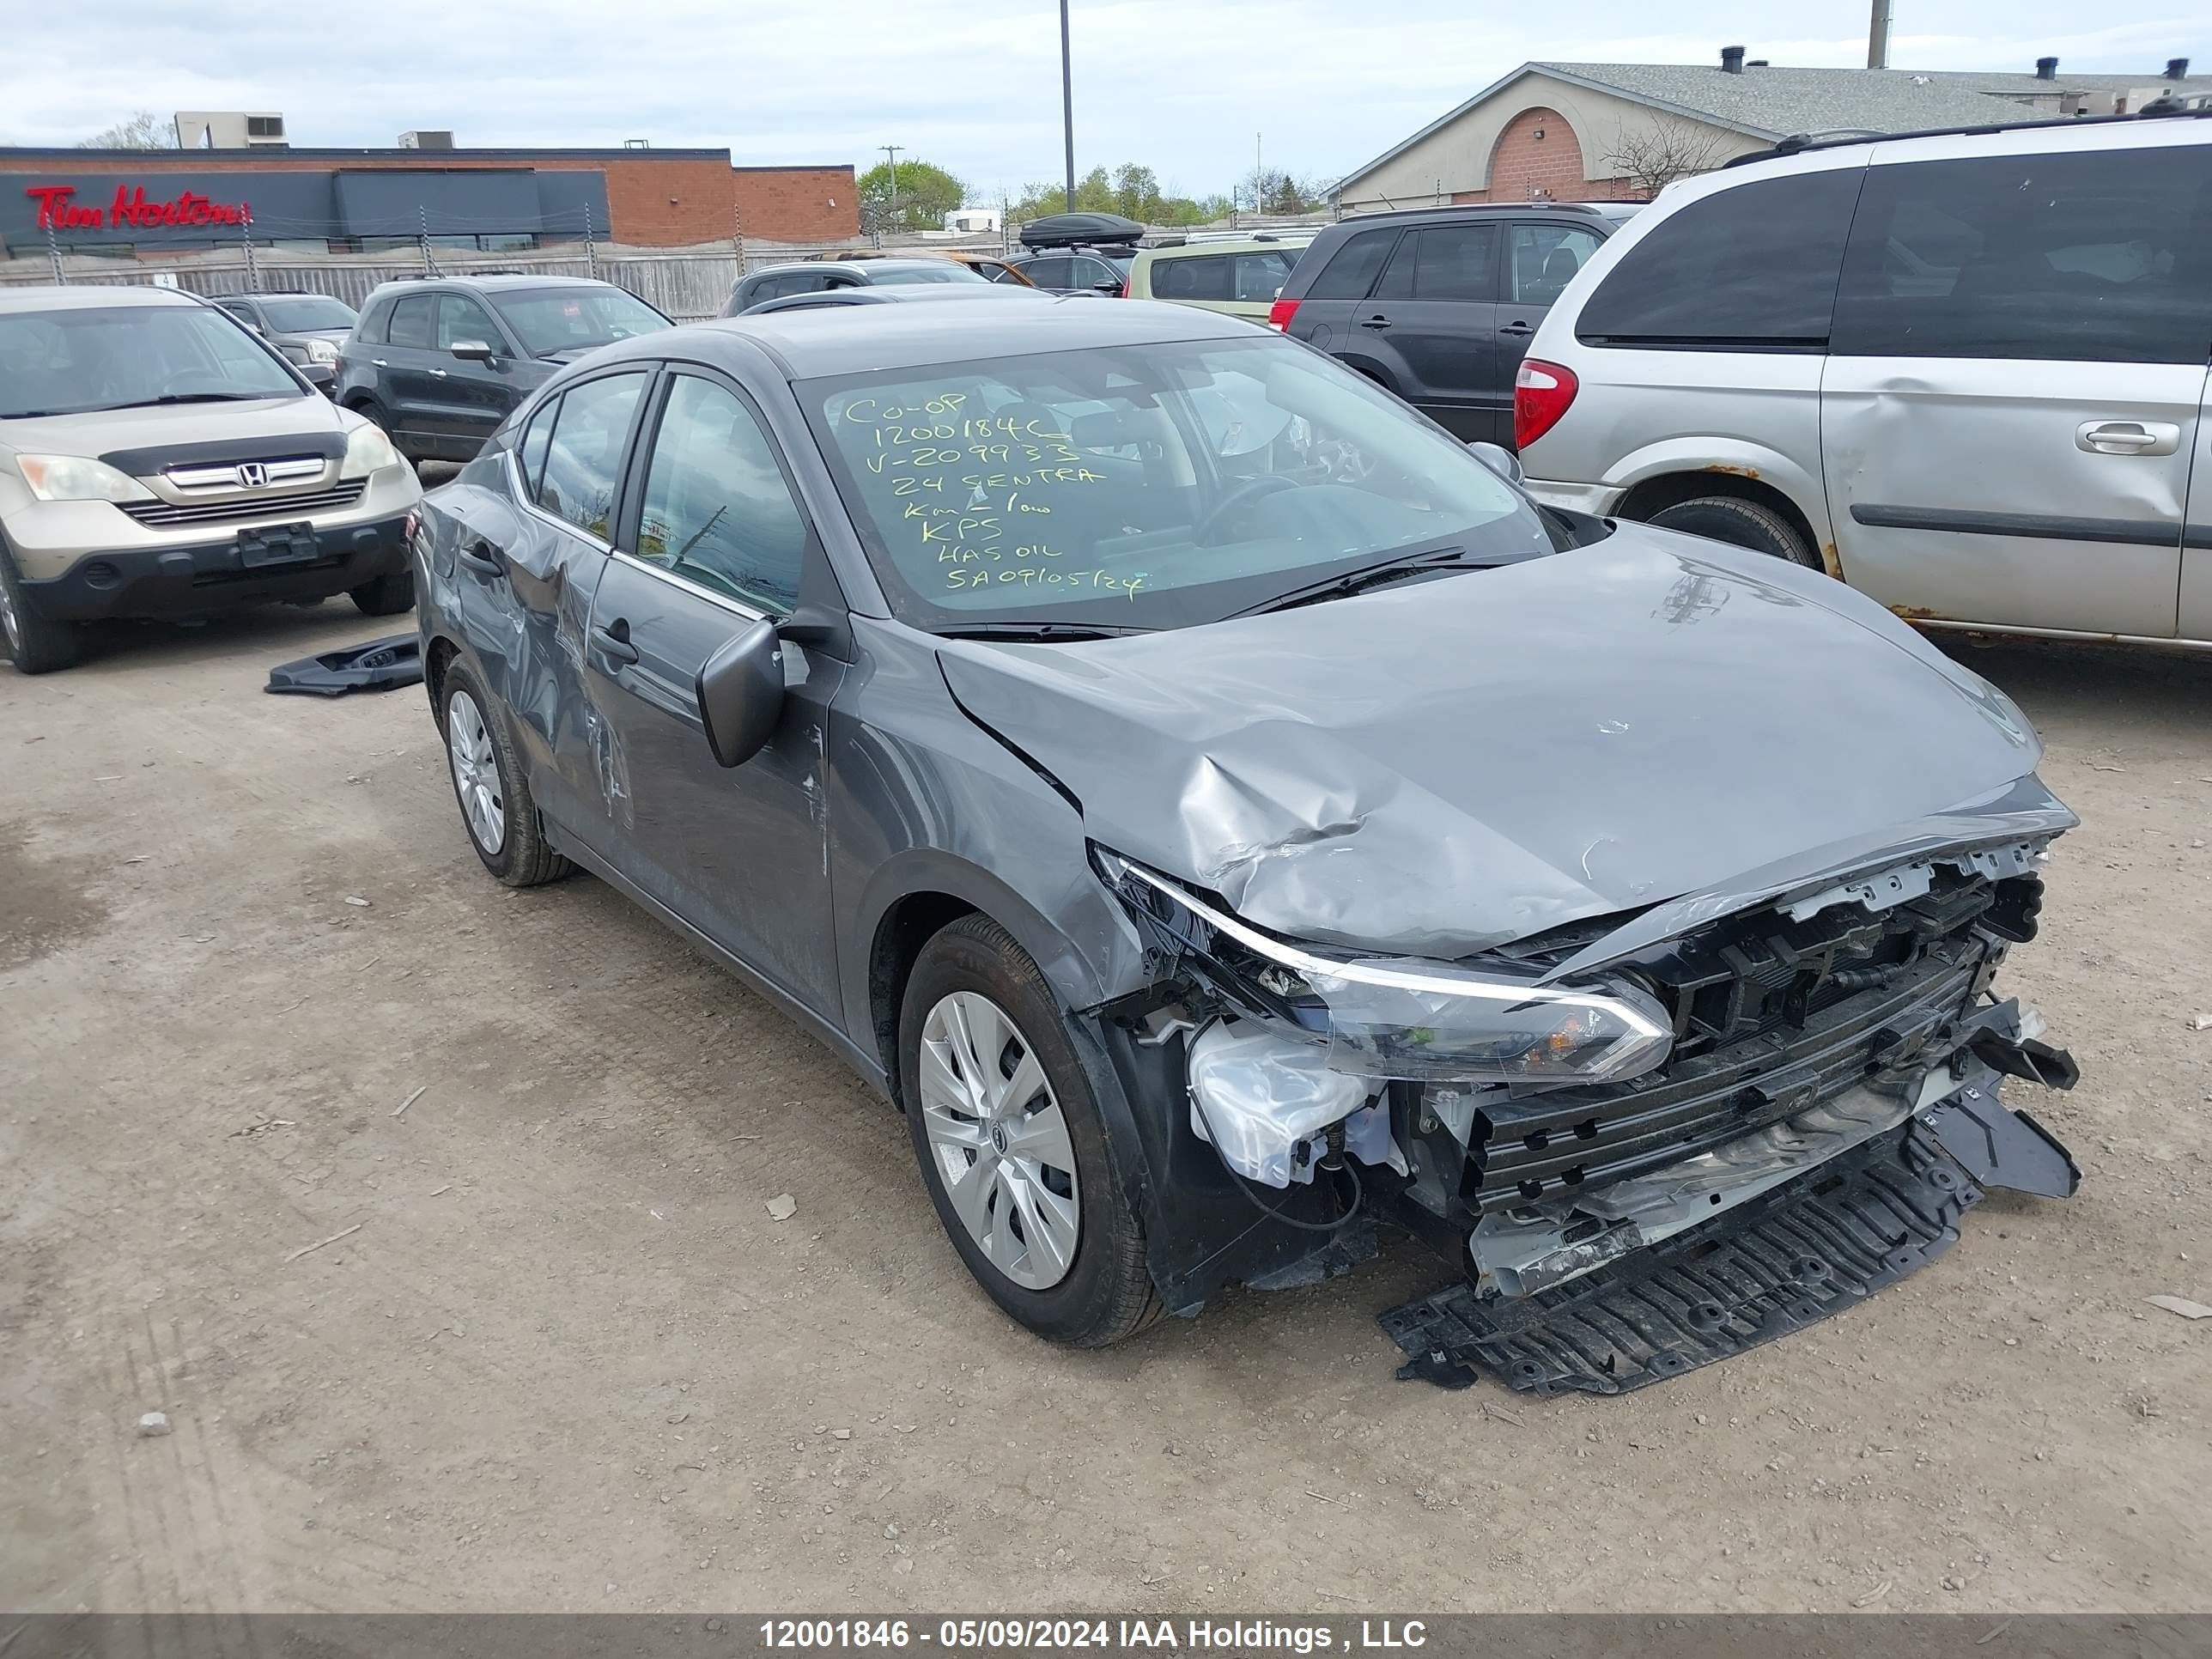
<point>1499,460</point>
<point>740,693</point>
<point>473,351</point>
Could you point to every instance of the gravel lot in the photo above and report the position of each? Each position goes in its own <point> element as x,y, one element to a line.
<point>558,1356</point>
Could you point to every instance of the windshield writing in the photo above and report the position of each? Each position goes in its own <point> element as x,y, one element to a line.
<point>1144,486</point>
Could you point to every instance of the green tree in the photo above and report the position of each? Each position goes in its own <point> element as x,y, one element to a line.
<point>925,194</point>
<point>1270,189</point>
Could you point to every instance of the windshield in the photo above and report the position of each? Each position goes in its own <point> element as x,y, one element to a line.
<point>548,320</point>
<point>298,316</point>
<point>940,270</point>
<point>1151,486</point>
<point>72,361</point>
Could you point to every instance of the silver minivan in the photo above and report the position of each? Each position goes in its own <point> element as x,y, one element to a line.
<point>1965,372</point>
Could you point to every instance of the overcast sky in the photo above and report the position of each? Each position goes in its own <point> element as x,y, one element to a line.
<point>973,85</point>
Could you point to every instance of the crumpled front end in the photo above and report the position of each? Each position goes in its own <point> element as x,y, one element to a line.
<point>1645,1154</point>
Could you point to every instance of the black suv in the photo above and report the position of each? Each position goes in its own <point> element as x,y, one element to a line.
<point>439,362</point>
<point>1439,304</point>
<point>307,329</point>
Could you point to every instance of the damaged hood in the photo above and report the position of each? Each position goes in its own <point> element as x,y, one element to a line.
<point>1444,766</point>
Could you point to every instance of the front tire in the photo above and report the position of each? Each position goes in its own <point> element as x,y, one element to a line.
<point>1739,523</point>
<point>496,808</point>
<point>36,644</point>
<point>1027,1183</point>
<point>386,595</point>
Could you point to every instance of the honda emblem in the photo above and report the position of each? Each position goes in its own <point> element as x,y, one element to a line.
<point>252,474</point>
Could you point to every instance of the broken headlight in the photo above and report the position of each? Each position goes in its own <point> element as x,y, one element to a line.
<point>1403,1017</point>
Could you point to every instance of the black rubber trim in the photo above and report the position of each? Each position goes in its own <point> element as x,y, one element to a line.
<point>1811,1248</point>
<point>2197,535</point>
<point>2035,527</point>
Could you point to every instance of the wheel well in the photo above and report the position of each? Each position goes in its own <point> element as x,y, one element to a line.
<point>907,926</point>
<point>1673,489</point>
<point>442,652</point>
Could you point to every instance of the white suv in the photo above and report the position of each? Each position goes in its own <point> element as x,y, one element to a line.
<point>1965,372</point>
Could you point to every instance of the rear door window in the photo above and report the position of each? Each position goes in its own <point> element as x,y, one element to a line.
<point>1750,268</point>
<point>1351,270</point>
<point>1204,278</point>
<point>529,453</point>
<point>583,459</point>
<point>1454,262</point>
<point>1053,272</point>
<point>411,322</point>
<point>2099,256</point>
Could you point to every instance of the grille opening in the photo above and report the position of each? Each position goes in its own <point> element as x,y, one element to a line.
<point>278,509</point>
<point>1536,1141</point>
<point>1587,1129</point>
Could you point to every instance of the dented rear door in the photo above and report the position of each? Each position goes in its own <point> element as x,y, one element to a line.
<point>2015,379</point>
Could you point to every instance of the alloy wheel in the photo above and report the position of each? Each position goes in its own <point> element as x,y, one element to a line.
<point>8,624</point>
<point>1000,1139</point>
<point>475,772</point>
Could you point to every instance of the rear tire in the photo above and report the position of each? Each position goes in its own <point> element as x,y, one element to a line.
<point>386,595</point>
<point>497,807</point>
<point>36,645</point>
<point>1104,1292</point>
<point>1739,523</point>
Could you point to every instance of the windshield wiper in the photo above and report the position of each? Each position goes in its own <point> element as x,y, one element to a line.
<point>1044,633</point>
<point>1373,575</point>
<point>193,398</point>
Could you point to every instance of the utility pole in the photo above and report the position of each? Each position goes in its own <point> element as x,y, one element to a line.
<point>890,201</point>
<point>1878,36</point>
<point>252,270</point>
<point>1067,104</point>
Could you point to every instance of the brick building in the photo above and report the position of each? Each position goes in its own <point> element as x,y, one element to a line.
<point>162,202</point>
<point>1583,132</point>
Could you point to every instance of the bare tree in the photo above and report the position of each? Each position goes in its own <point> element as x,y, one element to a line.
<point>1652,157</point>
<point>144,130</point>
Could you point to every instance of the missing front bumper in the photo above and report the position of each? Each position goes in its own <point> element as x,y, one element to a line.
<point>1853,1225</point>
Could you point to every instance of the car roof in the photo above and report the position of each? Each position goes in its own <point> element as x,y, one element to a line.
<point>899,293</point>
<point>860,268</point>
<point>1228,244</point>
<point>502,280</point>
<point>48,296</point>
<point>824,340</point>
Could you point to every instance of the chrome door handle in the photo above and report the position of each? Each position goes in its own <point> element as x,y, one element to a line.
<point>439,372</point>
<point>379,362</point>
<point>2128,437</point>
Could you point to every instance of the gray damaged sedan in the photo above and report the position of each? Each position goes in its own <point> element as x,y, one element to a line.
<point>1223,813</point>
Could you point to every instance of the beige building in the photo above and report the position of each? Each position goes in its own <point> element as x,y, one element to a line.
<point>1570,132</point>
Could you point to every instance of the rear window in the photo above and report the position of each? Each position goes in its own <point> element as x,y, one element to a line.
<point>1351,270</point>
<point>2102,257</point>
<point>1197,278</point>
<point>1752,268</point>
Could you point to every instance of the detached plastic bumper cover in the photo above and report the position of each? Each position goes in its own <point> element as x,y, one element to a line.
<point>1813,1246</point>
<point>376,665</point>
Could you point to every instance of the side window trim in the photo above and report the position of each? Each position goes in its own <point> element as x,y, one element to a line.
<point>620,517</point>
<point>633,478</point>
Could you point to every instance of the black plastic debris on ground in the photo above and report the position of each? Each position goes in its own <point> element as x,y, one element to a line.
<point>1807,1249</point>
<point>378,665</point>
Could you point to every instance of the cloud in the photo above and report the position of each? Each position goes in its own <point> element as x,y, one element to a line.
<point>972,86</point>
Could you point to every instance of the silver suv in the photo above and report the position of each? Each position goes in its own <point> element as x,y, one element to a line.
<point>1965,372</point>
<point>159,460</point>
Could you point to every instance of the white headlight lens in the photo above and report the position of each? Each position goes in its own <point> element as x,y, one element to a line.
<point>367,450</point>
<point>78,478</point>
<point>322,351</point>
<point>1407,1017</point>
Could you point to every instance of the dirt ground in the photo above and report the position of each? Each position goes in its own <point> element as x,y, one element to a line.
<point>557,1355</point>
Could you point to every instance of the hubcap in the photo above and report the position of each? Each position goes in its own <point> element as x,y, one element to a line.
<point>8,621</point>
<point>1000,1141</point>
<point>475,772</point>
